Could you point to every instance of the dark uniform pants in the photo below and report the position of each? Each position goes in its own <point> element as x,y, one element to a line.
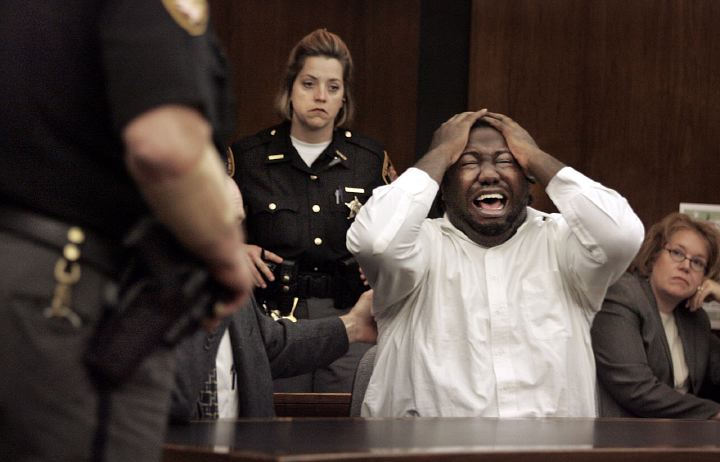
<point>338,376</point>
<point>48,405</point>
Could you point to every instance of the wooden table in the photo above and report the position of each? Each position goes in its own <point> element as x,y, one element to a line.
<point>453,439</point>
<point>312,404</point>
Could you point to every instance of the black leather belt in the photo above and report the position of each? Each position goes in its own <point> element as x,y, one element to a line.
<point>96,250</point>
<point>315,285</point>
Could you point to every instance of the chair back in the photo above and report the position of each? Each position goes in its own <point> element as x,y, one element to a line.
<point>361,381</point>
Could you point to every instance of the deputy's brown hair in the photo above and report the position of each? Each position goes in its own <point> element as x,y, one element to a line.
<point>318,43</point>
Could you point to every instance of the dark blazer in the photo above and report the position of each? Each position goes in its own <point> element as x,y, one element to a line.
<point>634,369</point>
<point>263,349</point>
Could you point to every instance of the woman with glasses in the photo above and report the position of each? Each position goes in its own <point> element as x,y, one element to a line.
<point>655,353</point>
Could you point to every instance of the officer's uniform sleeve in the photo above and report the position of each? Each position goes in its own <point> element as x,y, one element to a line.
<point>150,56</point>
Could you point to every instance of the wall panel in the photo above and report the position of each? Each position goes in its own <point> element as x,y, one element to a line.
<point>382,35</point>
<point>625,91</point>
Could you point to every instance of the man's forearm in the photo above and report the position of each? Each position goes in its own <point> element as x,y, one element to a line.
<point>178,170</point>
<point>195,206</point>
<point>543,167</point>
<point>435,163</point>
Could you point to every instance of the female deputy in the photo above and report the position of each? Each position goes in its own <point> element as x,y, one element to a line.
<point>655,353</point>
<point>303,181</point>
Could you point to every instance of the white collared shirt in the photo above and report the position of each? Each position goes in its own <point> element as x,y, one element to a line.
<point>503,331</point>
<point>681,373</point>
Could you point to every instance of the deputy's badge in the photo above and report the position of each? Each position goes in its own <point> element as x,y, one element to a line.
<point>230,162</point>
<point>191,15</point>
<point>388,171</point>
<point>354,207</point>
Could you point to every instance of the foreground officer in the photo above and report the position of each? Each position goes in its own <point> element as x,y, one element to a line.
<point>106,115</point>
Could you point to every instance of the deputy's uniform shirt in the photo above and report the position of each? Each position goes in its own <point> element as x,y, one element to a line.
<point>302,212</point>
<point>75,72</point>
<point>77,79</point>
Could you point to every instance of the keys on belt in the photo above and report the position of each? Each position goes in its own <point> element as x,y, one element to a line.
<point>67,274</point>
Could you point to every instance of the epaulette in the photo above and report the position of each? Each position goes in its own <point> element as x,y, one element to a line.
<point>362,141</point>
<point>252,141</point>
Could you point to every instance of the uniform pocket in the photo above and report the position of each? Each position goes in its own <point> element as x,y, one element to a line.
<point>273,221</point>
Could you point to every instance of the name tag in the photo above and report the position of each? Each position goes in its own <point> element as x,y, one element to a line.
<point>355,190</point>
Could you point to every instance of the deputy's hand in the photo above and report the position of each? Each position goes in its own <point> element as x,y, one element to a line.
<point>359,322</point>
<point>708,291</point>
<point>452,136</point>
<point>259,269</point>
<point>521,144</point>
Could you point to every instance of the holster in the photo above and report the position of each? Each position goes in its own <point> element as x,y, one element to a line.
<point>343,285</point>
<point>162,294</point>
<point>279,293</point>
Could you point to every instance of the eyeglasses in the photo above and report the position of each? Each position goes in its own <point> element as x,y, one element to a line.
<point>696,264</point>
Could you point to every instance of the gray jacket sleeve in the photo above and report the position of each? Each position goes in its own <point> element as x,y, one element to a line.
<point>299,348</point>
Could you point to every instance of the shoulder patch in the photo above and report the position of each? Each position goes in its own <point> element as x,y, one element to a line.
<point>191,15</point>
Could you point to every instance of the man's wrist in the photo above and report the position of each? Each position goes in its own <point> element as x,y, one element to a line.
<point>436,162</point>
<point>350,324</point>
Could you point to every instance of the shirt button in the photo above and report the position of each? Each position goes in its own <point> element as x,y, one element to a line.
<point>272,132</point>
<point>348,133</point>
<point>313,177</point>
<point>317,241</point>
<point>272,206</point>
<point>316,208</point>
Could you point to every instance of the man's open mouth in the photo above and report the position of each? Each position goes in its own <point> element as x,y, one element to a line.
<point>490,202</point>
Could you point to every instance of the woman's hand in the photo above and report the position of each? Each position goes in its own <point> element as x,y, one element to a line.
<point>259,270</point>
<point>707,291</point>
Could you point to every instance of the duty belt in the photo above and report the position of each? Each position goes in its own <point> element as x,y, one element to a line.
<point>343,286</point>
<point>97,250</point>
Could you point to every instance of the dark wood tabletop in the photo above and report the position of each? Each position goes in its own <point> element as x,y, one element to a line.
<point>308,439</point>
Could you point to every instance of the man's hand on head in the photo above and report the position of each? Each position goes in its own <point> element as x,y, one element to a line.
<point>519,141</point>
<point>448,143</point>
<point>452,136</point>
<point>535,163</point>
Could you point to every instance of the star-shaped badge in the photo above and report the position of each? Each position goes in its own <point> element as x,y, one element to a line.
<point>354,207</point>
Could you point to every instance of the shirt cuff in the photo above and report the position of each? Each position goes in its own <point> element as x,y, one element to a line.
<point>417,182</point>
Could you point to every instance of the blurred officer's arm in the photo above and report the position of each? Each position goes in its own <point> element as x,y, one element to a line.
<point>171,156</point>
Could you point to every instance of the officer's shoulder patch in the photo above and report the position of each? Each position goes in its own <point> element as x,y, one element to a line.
<point>191,15</point>
<point>362,141</point>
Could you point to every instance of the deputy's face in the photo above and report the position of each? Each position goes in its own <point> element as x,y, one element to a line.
<point>485,192</point>
<point>317,93</point>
